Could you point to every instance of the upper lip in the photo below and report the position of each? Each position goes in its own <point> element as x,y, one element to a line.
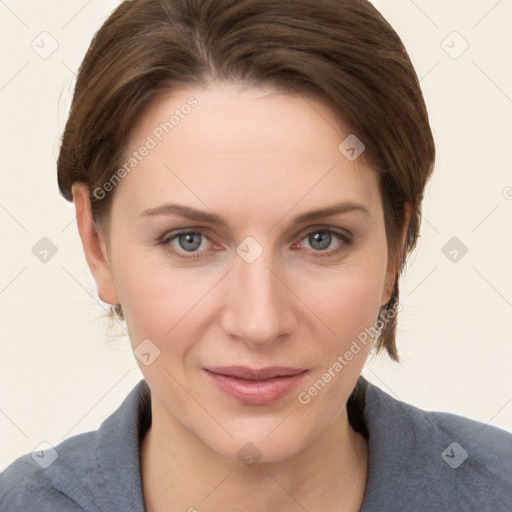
<point>243,372</point>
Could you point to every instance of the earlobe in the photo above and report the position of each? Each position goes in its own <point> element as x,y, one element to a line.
<point>387,292</point>
<point>94,246</point>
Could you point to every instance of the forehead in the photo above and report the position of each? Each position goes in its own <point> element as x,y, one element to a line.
<point>226,144</point>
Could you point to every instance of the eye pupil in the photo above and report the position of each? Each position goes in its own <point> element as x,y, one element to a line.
<point>320,240</point>
<point>190,241</point>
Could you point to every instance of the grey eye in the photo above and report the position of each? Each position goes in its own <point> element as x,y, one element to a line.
<point>320,240</point>
<point>189,241</point>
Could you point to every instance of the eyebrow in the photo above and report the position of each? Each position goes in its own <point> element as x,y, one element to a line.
<point>177,210</point>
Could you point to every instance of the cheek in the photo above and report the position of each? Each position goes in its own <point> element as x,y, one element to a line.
<point>152,297</point>
<point>347,300</point>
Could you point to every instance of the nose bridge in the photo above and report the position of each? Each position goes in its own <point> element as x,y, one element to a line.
<point>258,309</point>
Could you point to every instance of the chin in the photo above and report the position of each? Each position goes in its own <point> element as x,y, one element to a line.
<point>251,446</point>
<point>261,451</point>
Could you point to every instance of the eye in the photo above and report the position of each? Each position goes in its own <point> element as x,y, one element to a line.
<point>191,242</point>
<point>321,240</point>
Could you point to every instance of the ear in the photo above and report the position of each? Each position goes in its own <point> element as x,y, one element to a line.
<point>394,263</point>
<point>94,245</point>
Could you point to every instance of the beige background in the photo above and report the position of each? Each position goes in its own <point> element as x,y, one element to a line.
<point>61,373</point>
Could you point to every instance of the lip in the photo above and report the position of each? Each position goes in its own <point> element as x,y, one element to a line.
<point>243,372</point>
<point>256,386</point>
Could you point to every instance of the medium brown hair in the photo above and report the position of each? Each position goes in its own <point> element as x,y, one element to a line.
<point>342,52</point>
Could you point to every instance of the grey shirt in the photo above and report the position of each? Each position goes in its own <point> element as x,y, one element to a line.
<point>419,461</point>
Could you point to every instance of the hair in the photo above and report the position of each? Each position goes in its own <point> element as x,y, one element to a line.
<point>342,52</point>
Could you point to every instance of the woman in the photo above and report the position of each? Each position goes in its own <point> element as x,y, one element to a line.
<point>248,177</point>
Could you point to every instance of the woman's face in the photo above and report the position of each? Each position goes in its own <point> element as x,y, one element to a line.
<point>242,236</point>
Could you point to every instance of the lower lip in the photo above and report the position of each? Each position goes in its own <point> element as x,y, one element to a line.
<point>257,392</point>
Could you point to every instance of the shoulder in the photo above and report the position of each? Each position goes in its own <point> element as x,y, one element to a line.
<point>436,460</point>
<point>485,442</point>
<point>35,481</point>
<point>479,454</point>
<point>95,472</point>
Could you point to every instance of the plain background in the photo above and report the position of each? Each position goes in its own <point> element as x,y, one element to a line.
<point>61,370</point>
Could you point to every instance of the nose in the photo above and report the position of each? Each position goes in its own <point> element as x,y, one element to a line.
<point>258,305</point>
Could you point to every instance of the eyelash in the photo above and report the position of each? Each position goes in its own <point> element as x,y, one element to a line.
<point>344,237</point>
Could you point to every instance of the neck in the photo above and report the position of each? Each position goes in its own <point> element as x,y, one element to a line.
<point>179,472</point>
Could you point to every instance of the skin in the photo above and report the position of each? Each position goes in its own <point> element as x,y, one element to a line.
<point>257,159</point>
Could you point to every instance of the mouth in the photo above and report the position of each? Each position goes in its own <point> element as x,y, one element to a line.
<point>256,386</point>
<point>242,372</point>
